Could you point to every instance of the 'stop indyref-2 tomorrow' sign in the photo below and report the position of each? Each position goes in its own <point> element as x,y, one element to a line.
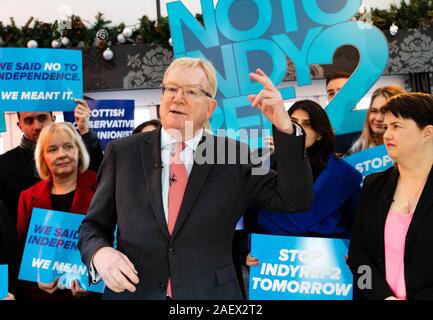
<point>238,36</point>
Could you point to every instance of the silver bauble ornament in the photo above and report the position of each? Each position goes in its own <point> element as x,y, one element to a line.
<point>32,44</point>
<point>108,54</point>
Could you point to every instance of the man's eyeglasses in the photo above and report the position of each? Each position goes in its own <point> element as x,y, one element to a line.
<point>189,92</point>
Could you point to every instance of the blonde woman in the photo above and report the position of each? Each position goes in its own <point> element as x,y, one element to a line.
<point>62,162</point>
<point>372,133</point>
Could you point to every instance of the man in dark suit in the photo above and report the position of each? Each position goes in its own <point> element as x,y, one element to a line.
<point>334,83</point>
<point>18,170</point>
<point>174,237</point>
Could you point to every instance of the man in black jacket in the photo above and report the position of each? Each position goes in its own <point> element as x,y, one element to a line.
<point>18,171</point>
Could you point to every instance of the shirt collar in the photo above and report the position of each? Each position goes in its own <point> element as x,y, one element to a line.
<point>167,139</point>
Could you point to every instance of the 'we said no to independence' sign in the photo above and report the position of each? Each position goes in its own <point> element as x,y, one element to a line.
<point>39,80</point>
<point>51,250</point>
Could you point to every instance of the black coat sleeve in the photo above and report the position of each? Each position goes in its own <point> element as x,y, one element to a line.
<point>94,149</point>
<point>289,190</point>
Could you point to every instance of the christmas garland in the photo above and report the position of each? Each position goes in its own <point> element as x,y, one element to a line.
<point>74,33</point>
<point>412,14</point>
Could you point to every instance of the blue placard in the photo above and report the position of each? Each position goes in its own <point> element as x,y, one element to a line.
<point>371,160</point>
<point>299,268</point>
<point>240,36</point>
<point>51,250</point>
<point>39,79</point>
<point>110,119</point>
<point>3,281</point>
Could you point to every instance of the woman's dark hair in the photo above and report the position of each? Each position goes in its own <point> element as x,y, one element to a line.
<point>319,152</point>
<point>154,122</point>
<point>414,106</point>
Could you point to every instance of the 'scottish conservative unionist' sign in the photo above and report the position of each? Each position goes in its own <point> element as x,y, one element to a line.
<point>110,119</point>
<point>299,268</point>
<point>39,79</point>
<point>240,36</point>
<point>51,250</point>
<point>371,160</point>
<point>3,281</point>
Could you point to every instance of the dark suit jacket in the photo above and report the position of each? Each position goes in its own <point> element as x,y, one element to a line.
<point>198,256</point>
<point>367,244</point>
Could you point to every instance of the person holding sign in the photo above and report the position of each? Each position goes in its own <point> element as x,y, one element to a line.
<point>62,162</point>
<point>391,251</point>
<point>175,211</point>
<point>336,184</point>
<point>372,132</point>
<point>18,165</point>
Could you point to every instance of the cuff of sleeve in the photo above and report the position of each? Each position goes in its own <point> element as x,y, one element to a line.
<point>94,276</point>
<point>297,129</point>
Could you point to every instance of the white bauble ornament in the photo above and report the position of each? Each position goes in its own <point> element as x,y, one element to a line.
<point>127,32</point>
<point>65,41</point>
<point>55,44</point>
<point>393,30</point>
<point>108,54</point>
<point>121,38</point>
<point>32,44</point>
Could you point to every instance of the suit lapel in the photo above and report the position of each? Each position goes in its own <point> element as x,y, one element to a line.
<point>382,208</point>
<point>422,209</point>
<point>83,193</point>
<point>42,195</point>
<point>151,164</point>
<point>196,180</point>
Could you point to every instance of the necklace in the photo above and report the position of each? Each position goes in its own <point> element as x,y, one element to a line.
<point>412,202</point>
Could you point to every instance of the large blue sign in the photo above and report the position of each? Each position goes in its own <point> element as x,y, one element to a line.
<point>240,36</point>
<point>370,160</point>
<point>299,268</point>
<point>110,119</point>
<point>51,250</point>
<point>3,281</point>
<point>39,79</point>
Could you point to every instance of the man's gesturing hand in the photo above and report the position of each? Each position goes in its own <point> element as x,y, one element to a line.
<point>270,102</point>
<point>115,269</point>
